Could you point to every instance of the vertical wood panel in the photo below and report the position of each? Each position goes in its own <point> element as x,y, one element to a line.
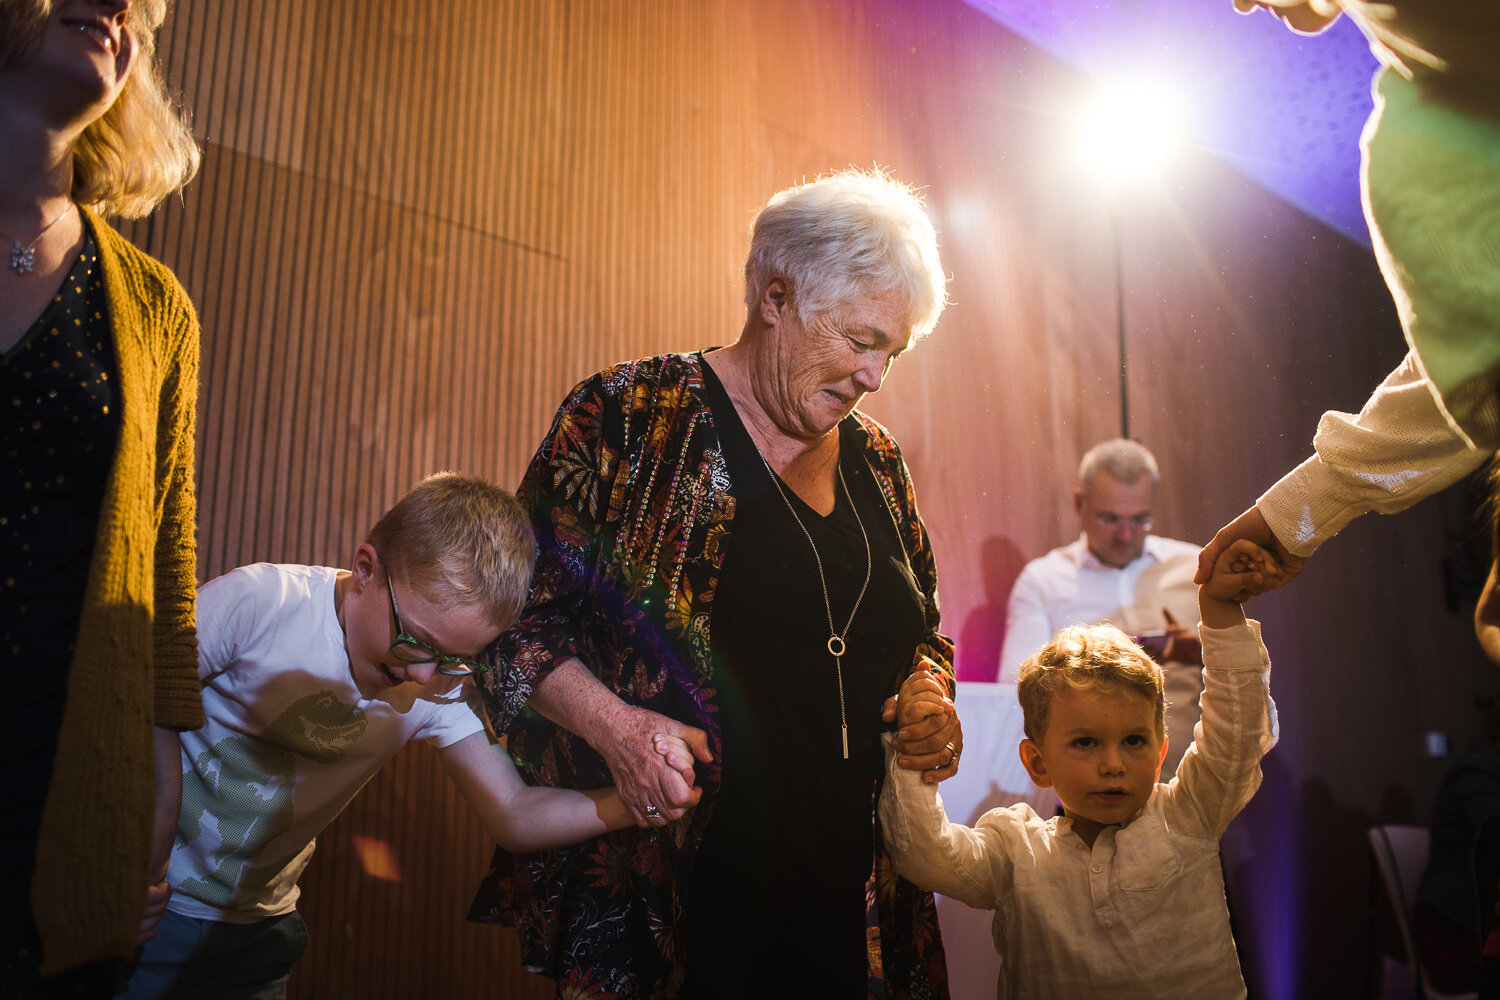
<point>419,223</point>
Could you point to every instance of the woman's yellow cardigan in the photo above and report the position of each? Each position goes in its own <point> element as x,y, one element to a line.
<point>136,661</point>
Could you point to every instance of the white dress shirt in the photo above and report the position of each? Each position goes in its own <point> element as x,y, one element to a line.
<point>1070,586</point>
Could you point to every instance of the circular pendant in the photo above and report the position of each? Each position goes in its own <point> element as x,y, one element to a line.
<point>836,645</point>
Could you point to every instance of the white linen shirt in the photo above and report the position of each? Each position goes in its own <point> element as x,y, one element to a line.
<point>1141,914</point>
<point>1399,448</point>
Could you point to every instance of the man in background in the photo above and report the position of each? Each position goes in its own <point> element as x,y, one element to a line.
<point>1117,572</point>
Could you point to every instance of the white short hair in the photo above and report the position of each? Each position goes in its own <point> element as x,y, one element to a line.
<point>847,236</point>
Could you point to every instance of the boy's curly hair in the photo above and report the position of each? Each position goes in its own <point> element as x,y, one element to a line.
<point>1087,657</point>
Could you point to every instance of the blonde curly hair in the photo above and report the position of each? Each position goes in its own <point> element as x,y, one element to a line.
<point>129,159</point>
<point>1087,658</point>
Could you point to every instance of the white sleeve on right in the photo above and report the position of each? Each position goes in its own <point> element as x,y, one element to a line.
<point>1399,449</point>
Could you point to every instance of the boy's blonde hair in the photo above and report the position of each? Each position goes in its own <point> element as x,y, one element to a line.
<point>1087,658</point>
<point>464,541</point>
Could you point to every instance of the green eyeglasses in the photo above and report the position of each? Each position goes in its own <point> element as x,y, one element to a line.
<point>410,649</point>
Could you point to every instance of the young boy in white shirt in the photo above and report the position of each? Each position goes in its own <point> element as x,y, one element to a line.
<point>313,678</point>
<point>1123,896</point>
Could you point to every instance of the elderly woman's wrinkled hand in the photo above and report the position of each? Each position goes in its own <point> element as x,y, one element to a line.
<point>655,784</point>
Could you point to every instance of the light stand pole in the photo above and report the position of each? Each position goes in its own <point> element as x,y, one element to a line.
<point>1124,137</point>
<point>1114,220</point>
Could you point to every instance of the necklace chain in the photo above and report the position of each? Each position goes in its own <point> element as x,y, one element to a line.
<point>23,255</point>
<point>836,644</point>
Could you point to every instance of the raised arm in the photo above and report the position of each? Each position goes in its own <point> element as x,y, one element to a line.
<point>1397,450</point>
<point>540,661</point>
<point>964,863</point>
<point>1221,769</point>
<point>934,745</point>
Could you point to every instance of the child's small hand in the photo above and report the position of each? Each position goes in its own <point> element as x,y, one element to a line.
<point>1242,571</point>
<point>156,907</point>
<point>676,752</point>
<point>922,694</point>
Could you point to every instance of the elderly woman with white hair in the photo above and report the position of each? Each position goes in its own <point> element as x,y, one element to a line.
<point>99,373</point>
<point>728,541</point>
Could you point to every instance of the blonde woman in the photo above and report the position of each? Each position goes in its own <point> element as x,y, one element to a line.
<point>98,377</point>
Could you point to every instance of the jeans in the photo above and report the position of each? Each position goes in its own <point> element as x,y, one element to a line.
<point>193,959</point>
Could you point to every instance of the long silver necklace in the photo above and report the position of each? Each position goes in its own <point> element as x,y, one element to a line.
<point>836,644</point>
<point>23,255</point>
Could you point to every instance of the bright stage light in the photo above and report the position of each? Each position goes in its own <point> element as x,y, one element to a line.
<point>1128,133</point>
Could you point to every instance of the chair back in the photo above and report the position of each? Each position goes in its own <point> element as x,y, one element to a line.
<point>1401,854</point>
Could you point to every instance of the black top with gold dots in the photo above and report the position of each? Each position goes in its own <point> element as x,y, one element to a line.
<point>59,420</point>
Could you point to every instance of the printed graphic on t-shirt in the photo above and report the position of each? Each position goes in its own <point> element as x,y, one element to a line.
<point>241,790</point>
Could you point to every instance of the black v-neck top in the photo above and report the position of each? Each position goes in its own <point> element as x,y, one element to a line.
<point>792,826</point>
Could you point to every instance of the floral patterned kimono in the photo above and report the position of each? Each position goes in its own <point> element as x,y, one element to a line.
<point>634,508</point>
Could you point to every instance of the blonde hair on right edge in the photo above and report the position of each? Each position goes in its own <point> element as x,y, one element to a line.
<point>1086,658</point>
<point>464,541</point>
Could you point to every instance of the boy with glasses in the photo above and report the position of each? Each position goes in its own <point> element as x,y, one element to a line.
<point>313,678</point>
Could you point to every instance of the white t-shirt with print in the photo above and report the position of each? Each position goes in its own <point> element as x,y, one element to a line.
<point>288,739</point>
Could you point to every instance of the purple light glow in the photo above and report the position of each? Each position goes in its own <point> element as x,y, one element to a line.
<point>1282,109</point>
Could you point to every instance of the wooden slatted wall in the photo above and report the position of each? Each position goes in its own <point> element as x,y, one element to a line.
<point>419,222</point>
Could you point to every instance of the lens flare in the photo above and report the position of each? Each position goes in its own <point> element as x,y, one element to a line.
<point>1129,132</point>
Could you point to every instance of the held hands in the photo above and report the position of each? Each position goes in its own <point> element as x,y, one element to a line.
<point>1251,526</point>
<point>678,755</point>
<point>1240,572</point>
<point>930,737</point>
<point>651,758</point>
<point>921,695</point>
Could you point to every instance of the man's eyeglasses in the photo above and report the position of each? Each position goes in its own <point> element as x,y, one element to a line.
<point>1109,522</point>
<point>410,649</point>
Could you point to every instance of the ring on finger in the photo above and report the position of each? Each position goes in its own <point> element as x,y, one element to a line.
<point>952,754</point>
<point>651,811</point>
